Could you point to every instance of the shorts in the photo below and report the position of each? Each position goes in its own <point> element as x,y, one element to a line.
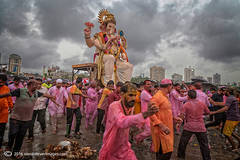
<point>229,127</point>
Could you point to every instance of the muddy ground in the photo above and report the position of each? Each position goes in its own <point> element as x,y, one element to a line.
<point>89,138</point>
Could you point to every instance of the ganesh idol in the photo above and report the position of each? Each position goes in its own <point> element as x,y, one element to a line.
<point>110,53</point>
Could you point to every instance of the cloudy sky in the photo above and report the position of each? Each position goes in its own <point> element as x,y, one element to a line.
<point>174,34</point>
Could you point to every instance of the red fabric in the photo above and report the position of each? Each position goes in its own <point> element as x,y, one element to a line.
<point>80,101</point>
<point>94,56</point>
<point>114,96</point>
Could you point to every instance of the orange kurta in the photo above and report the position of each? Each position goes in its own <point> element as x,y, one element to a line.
<point>137,105</point>
<point>163,116</point>
<point>5,104</point>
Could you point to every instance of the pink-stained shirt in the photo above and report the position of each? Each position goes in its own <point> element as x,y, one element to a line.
<point>194,111</point>
<point>41,101</point>
<point>116,144</point>
<point>176,101</point>
<point>92,100</point>
<point>224,99</point>
<point>59,94</point>
<point>12,87</point>
<point>145,99</point>
<point>114,96</point>
<point>202,97</point>
<point>66,92</point>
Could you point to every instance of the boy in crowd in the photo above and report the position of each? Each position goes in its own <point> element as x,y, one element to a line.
<point>192,113</point>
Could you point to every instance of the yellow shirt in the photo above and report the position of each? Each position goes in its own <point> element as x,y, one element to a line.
<point>47,85</point>
<point>102,101</point>
<point>73,90</point>
<point>137,105</point>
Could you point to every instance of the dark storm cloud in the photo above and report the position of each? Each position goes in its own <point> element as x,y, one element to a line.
<point>143,24</point>
<point>55,19</point>
<point>68,62</point>
<point>62,18</point>
<point>34,52</point>
<point>215,31</point>
<point>13,17</point>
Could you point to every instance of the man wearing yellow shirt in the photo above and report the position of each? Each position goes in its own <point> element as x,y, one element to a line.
<point>74,94</point>
<point>103,103</point>
<point>137,105</point>
<point>47,84</point>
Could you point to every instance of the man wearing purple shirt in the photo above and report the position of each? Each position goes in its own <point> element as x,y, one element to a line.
<point>192,113</point>
<point>233,117</point>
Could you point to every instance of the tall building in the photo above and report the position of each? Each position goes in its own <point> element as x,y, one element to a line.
<point>209,79</point>
<point>177,78</point>
<point>189,73</point>
<point>217,79</point>
<point>157,73</point>
<point>15,63</point>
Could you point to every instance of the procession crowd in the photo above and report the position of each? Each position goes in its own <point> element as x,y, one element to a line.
<point>157,109</point>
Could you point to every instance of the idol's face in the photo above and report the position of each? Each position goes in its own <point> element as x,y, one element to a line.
<point>110,29</point>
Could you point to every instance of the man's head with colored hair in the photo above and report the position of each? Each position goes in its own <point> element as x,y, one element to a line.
<point>197,85</point>
<point>166,84</point>
<point>110,84</point>
<point>129,92</point>
<point>93,84</point>
<point>177,87</point>
<point>230,91</point>
<point>118,86</point>
<point>192,94</point>
<point>147,85</point>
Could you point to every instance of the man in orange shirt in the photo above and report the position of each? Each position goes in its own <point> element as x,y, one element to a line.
<point>162,122</point>
<point>5,104</point>
<point>73,107</point>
